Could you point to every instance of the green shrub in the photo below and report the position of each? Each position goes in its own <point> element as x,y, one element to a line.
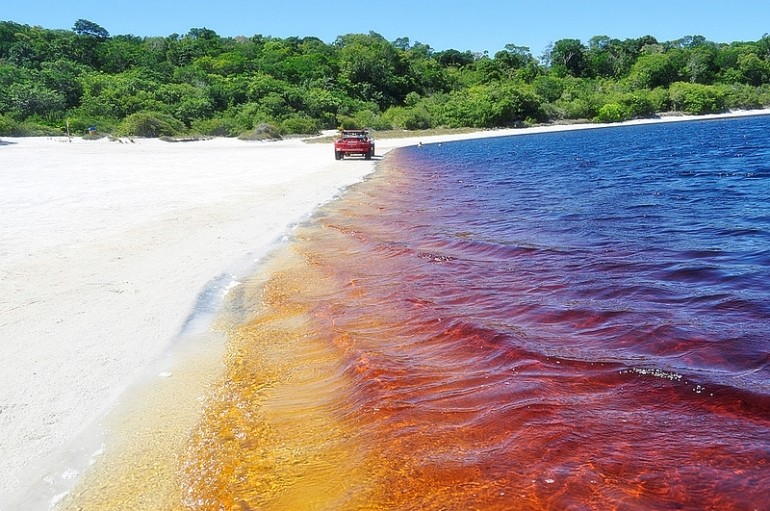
<point>8,126</point>
<point>412,99</point>
<point>12,128</point>
<point>150,125</point>
<point>659,99</point>
<point>363,119</point>
<point>611,112</point>
<point>637,104</point>
<point>411,118</point>
<point>743,96</point>
<point>487,106</point>
<point>371,119</point>
<point>418,119</point>
<point>579,108</point>
<point>80,124</point>
<point>695,98</point>
<point>549,88</point>
<point>215,127</point>
<point>263,131</point>
<point>299,125</point>
<point>248,116</point>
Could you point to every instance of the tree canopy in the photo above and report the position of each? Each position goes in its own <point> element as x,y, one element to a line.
<point>206,84</point>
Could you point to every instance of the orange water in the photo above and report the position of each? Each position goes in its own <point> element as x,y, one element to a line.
<point>319,409</point>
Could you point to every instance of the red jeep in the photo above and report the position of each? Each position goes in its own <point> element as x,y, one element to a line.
<point>350,142</point>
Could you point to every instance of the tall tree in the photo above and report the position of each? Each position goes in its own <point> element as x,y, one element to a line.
<point>568,55</point>
<point>89,28</point>
<point>372,69</point>
<point>514,57</point>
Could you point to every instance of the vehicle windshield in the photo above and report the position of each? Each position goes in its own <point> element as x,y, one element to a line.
<point>355,134</point>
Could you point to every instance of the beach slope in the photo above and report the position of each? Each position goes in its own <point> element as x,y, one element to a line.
<point>110,249</point>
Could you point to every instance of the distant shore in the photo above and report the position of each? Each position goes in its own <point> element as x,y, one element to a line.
<point>112,250</point>
<point>410,138</point>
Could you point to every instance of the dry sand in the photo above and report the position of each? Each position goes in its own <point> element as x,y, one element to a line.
<point>108,252</point>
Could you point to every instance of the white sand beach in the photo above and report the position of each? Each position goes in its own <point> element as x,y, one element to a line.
<point>108,248</point>
<point>105,248</point>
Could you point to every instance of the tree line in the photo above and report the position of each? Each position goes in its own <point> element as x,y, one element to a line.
<point>204,84</point>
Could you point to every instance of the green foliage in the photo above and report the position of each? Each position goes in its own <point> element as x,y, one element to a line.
<point>89,28</point>
<point>694,98</point>
<point>299,124</point>
<point>34,99</point>
<point>80,124</point>
<point>650,71</point>
<point>568,56</point>
<point>415,117</point>
<point>514,57</point>
<point>63,76</point>
<point>222,86</point>
<point>549,88</point>
<point>371,69</point>
<point>120,95</point>
<point>611,112</point>
<point>215,127</point>
<point>8,127</point>
<point>261,132</point>
<point>611,58</point>
<point>366,119</point>
<point>149,124</point>
<point>345,122</point>
<point>581,98</point>
<point>660,99</point>
<point>637,104</point>
<point>745,96</point>
<point>487,106</point>
<point>186,102</point>
<point>753,70</point>
<point>579,108</point>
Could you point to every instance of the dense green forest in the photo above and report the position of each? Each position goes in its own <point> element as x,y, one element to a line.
<point>204,84</point>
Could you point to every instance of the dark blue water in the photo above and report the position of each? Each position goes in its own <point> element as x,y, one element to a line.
<point>660,232</point>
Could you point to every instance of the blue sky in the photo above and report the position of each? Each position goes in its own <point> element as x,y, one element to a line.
<point>475,25</point>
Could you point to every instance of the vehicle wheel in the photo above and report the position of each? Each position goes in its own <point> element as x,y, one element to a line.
<point>337,155</point>
<point>369,154</point>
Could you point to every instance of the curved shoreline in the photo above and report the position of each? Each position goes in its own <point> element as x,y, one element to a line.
<point>106,249</point>
<point>108,246</point>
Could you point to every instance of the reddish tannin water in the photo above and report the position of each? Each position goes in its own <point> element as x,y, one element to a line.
<point>567,321</point>
<point>572,321</point>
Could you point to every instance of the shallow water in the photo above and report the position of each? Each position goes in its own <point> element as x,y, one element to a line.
<point>565,321</point>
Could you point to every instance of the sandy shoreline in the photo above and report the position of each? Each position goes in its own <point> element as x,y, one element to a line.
<point>108,250</point>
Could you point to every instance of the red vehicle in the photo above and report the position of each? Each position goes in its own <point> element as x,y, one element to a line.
<point>354,142</point>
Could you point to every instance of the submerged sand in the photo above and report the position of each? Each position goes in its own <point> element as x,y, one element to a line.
<point>115,253</point>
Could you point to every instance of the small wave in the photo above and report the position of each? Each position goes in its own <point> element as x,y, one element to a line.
<point>208,303</point>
